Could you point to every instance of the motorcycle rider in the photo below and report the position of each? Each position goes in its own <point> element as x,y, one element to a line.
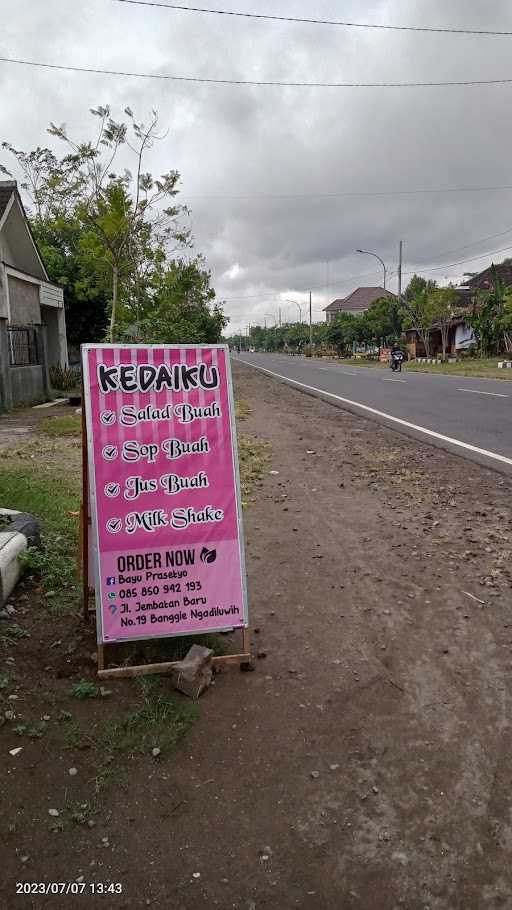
<point>396,357</point>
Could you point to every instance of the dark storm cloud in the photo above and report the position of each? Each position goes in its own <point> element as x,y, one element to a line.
<point>238,140</point>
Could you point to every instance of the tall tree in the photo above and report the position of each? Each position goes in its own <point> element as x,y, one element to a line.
<point>128,222</point>
<point>443,303</point>
<point>418,285</point>
<point>182,307</point>
<point>384,319</point>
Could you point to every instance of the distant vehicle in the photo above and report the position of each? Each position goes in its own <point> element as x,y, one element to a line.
<point>396,358</point>
<point>252,350</point>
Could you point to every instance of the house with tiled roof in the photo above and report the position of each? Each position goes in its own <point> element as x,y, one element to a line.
<point>32,321</point>
<point>483,281</point>
<point>357,303</point>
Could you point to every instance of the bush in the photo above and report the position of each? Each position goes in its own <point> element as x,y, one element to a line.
<point>64,379</point>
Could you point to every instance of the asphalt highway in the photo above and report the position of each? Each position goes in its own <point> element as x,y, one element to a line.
<point>471,417</point>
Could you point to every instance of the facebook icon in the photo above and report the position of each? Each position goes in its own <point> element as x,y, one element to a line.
<point>111,580</point>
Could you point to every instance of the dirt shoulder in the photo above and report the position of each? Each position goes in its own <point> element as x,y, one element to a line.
<point>365,764</point>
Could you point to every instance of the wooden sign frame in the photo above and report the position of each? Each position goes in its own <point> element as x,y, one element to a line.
<point>244,659</point>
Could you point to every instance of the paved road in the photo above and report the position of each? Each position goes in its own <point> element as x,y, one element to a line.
<point>472,417</point>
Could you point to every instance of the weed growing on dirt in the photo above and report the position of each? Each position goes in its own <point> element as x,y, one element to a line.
<point>14,633</point>
<point>242,410</point>
<point>52,565</point>
<point>73,737</point>
<point>159,722</point>
<point>254,456</point>
<point>84,689</point>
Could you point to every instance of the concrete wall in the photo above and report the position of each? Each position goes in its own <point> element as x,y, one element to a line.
<point>3,291</point>
<point>27,385</point>
<point>55,321</point>
<point>5,384</point>
<point>24,302</point>
<point>23,385</point>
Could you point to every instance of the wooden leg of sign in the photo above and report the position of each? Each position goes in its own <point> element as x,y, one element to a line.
<point>84,516</point>
<point>84,541</point>
<point>161,668</point>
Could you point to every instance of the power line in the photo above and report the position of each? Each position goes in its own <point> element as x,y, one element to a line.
<point>313,287</point>
<point>306,21</point>
<point>351,193</point>
<point>450,265</point>
<point>435,268</point>
<point>210,81</point>
<point>474,242</point>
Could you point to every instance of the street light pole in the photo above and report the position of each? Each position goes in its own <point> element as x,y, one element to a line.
<point>310,325</point>
<point>383,264</point>
<point>400,255</point>
<point>289,300</point>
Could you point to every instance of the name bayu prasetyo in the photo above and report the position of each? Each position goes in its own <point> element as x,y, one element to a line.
<point>147,377</point>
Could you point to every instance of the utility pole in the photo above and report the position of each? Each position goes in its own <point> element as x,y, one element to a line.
<point>400,254</point>
<point>310,325</point>
<point>279,317</point>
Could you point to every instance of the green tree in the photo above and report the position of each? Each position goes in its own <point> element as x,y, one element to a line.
<point>343,331</point>
<point>491,320</point>
<point>443,303</point>
<point>128,223</point>
<point>384,319</point>
<point>418,285</point>
<point>182,308</point>
<point>85,298</point>
<point>419,314</point>
<point>504,322</point>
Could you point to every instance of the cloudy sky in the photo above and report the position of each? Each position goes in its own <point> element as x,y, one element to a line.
<point>272,174</point>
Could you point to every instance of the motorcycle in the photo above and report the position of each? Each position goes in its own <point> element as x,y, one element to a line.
<point>395,361</point>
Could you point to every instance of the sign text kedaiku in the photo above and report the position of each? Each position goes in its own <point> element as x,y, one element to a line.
<point>164,490</point>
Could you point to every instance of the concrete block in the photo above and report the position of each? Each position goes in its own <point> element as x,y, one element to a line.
<point>22,532</point>
<point>193,674</point>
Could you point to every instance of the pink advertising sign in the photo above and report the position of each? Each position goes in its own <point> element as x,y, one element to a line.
<point>164,490</point>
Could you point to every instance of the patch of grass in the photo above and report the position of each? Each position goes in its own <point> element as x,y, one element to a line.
<point>485,368</point>
<point>242,410</point>
<point>84,689</point>
<point>45,480</point>
<point>14,633</point>
<point>254,456</point>
<point>73,736</point>
<point>61,426</point>
<point>159,722</point>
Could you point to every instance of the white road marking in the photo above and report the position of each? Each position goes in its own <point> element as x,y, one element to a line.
<point>394,380</point>
<point>404,423</point>
<point>478,392</point>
